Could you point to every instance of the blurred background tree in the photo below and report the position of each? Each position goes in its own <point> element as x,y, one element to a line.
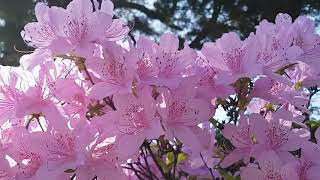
<point>194,21</point>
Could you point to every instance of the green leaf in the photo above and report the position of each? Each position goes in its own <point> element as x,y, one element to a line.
<point>182,157</point>
<point>162,164</point>
<point>312,124</point>
<point>154,147</point>
<point>169,158</point>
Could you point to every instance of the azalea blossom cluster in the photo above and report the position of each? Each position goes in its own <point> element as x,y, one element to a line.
<point>91,103</point>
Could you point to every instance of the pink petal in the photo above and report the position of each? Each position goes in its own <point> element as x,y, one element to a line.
<point>101,90</point>
<point>169,42</point>
<point>235,156</point>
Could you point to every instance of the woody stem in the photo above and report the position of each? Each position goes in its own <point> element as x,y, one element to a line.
<point>107,100</point>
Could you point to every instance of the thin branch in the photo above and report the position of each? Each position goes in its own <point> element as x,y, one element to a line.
<point>144,155</point>
<point>209,168</point>
<point>107,100</point>
<point>155,160</point>
<point>175,161</point>
<point>73,177</point>
<point>136,172</point>
<point>88,75</point>
<point>40,125</point>
<point>144,171</point>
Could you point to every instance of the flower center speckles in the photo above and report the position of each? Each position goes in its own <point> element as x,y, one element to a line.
<point>61,146</point>
<point>277,135</point>
<point>145,66</point>
<point>44,33</point>
<point>30,163</point>
<point>167,63</point>
<point>272,173</point>
<point>101,152</point>
<point>114,72</point>
<point>4,174</point>
<point>233,59</point>
<point>276,88</point>
<point>275,44</point>
<point>76,29</point>
<point>79,98</point>
<point>242,136</point>
<point>274,176</point>
<point>207,76</point>
<point>178,108</point>
<point>298,41</point>
<point>133,120</point>
<point>303,169</point>
<point>264,57</point>
<point>8,97</point>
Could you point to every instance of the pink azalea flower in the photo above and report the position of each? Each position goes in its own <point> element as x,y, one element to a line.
<point>204,145</point>
<point>55,122</point>
<point>117,30</point>
<point>145,55</point>
<point>279,92</point>
<point>99,158</point>
<point>9,94</point>
<point>243,137</point>
<point>232,57</point>
<point>26,151</point>
<point>309,163</point>
<point>73,30</point>
<point>6,171</point>
<point>256,106</point>
<point>82,27</point>
<point>179,111</point>
<point>133,122</point>
<point>75,101</point>
<point>114,71</point>
<point>304,76</point>
<point>60,153</point>
<point>206,78</point>
<point>271,168</point>
<point>60,147</point>
<point>275,42</point>
<point>171,63</point>
<point>35,99</point>
<point>304,34</point>
<point>163,64</point>
<point>29,61</point>
<point>276,135</point>
<point>45,33</point>
<point>288,114</point>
